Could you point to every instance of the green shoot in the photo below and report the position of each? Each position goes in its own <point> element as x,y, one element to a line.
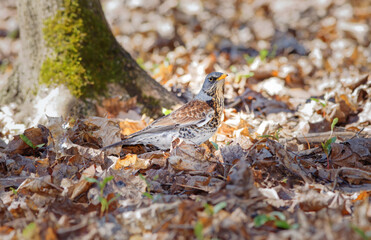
<point>103,184</point>
<point>30,230</point>
<point>261,219</point>
<point>215,145</point>
<point>103,200</point>
<point>208,209</point>
<point>334,122</point>
<point>166,111</point>
<point>276,135</point>
<point>250,74</point>
<point>198,229</point>
<point>148,195</point>
<point>240,76</point>
<point>249,60</point>
<point>326,146</point>
<point>14,191</point>
<point>273,53</point>
<point>219,207</point>
<point>263,54</point>
<point>149,185</point>
<point>266,136</point>
<point>211,210</point>
<point>140,62</point>
<point>319,101</point>
<point>278,218</point>
<point>105,203</point>
<point>233,68</point>
<point>29,142</point>
<point>361,233</point>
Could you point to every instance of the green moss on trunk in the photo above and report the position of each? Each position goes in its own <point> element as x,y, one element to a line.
<point>85,56</point>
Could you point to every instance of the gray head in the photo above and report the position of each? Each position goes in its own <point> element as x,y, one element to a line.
<point>213,85</point>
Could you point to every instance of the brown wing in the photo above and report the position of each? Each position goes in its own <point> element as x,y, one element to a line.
<point>193,113</point>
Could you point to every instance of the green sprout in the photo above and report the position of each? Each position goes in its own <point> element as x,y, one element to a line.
<point>147,193</point>
<point>323,103</point>
<point>326,146</point>
<point>29,142</point>
<point>364,235</point>
<point>263,54</point>
<point>198,230</point>
<point>278,218</point>
<point>103,200</point>
<point>140,62</point>
<point>216,146</point>
<point>276,135</point>
<point>30,230</point>
<point>212,210</point>
<point>249,60</point>
<point>14,191</point>
<point>166,111</point>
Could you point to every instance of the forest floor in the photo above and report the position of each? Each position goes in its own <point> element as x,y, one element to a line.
<point>291,159</point>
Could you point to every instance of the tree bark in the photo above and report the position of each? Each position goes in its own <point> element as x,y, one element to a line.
<point>55,81</point>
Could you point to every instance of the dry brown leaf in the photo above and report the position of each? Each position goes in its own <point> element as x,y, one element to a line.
<point>82,186</point>
<point>352,153</point>
<point>107,131</point>
<point>42,185</point>
<point>189,157</point>
<point>18,146</point>
<point>50,234</point>
<point>113,106</point>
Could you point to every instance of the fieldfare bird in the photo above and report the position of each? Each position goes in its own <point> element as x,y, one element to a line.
<point>194,122</point>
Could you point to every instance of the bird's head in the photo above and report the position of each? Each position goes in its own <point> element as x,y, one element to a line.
<point>213,85</point>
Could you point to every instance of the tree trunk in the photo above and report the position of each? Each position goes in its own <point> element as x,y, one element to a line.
<point>70,60</point>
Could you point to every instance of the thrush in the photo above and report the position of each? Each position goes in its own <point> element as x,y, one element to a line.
<point>194,122</point>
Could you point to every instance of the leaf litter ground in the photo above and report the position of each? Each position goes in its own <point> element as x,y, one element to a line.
<point>291,160</point>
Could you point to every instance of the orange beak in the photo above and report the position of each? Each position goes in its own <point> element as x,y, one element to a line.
<point>222,76</point>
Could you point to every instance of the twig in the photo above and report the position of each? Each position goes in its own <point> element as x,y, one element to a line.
<point>323,136</point>
<point>368,174</point>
